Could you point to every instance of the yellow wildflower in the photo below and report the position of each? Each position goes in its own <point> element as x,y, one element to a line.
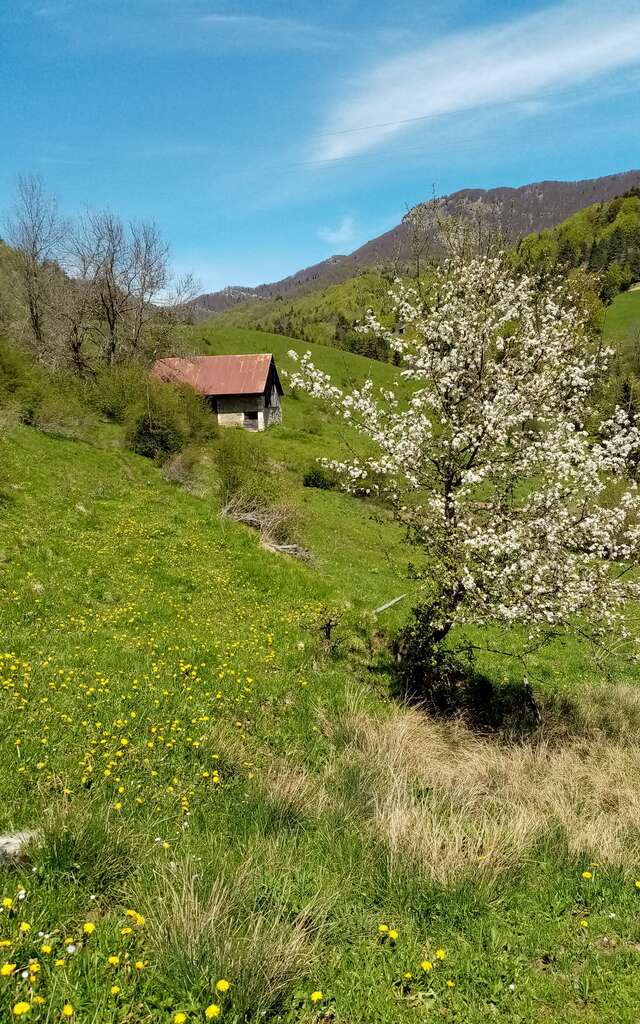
<point>441,954</point>
<point>67,1010</point>
<point>89,928</point>
<point>383,928</point>
<point>113,961</point>
<point>316,996</point>
<point>21,1008</point>
<point>222,985</point>
<point>393,935</point>
<point>45,948</point>
<point>212,1011</point>
<point>451,984</point>
<point>7,969</point>
<point>25,927</point>
<point>115,989</point>
<point>7,903</point>
<point>179,1018</point>
<point>587,875</point>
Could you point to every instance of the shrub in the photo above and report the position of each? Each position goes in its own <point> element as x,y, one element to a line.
<point>115,390</point>
<point>180,469</point>
<point>167,420</point>
<point>241,467</point>
<point>18,374</point>
<point>323,479</point>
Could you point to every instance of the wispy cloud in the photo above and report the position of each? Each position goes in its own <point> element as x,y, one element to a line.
<point>547,52</point>
<point>340,235</point>
<point>280,33</point>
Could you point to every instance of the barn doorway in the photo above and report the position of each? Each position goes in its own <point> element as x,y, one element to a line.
<point>251,421</point>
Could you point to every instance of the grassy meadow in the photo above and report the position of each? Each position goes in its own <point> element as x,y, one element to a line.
<point>237,822</point>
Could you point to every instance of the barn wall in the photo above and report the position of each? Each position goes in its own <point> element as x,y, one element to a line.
<point>231,410</point>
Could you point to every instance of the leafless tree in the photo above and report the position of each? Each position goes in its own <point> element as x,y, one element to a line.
<point>35,230</point>
<point>97,290</point>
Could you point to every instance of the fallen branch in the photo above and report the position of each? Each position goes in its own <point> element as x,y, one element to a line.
<point>389,604</point>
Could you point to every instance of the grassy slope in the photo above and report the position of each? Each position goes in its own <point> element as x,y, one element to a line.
<point>622,320</point>
<point>148,645</point>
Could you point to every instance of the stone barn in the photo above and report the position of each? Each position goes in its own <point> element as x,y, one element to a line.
<point>243,391</point>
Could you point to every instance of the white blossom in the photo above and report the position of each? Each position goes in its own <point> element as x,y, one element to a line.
<point>496,460</point>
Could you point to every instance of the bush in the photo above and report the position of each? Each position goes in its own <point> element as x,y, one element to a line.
<point>181,468</point>
<point>18,374</point>
<point>167,420</point>
<point>115,390</point>
<point>241,468</point>
<point>323,479</point>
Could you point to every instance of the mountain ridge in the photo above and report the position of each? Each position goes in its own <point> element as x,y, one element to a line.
<point>516,211</point>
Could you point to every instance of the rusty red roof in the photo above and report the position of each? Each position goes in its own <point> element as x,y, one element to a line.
<point>219,375</point>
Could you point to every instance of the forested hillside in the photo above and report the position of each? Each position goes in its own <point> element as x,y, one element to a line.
<point>603,239</point>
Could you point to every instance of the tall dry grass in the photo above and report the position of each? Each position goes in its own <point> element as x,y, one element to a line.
<point>204,927</point>
<point>453,804</point>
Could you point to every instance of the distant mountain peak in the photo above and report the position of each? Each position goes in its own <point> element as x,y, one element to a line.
<point>518,211</point>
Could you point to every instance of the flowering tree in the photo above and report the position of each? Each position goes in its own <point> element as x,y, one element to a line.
<point>495,458</point>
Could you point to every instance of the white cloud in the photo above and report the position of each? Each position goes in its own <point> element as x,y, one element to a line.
<point>340,235</point>
<point>560,47</point>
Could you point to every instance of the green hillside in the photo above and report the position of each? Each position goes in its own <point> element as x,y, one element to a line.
<point>604,239</point>
<point>226,790</point>
<point>326,316</point>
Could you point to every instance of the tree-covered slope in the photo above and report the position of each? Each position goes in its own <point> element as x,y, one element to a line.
<point>603,239</point>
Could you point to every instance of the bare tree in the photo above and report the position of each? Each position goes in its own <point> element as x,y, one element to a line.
<point>125,270</point>
<point>35,231</point>
<point>97,290</point>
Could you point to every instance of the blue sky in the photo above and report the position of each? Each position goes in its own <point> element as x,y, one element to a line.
<point>263,137</point>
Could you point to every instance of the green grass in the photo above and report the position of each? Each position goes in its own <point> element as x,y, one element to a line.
<point>194,752</point>
<point>622,320</point>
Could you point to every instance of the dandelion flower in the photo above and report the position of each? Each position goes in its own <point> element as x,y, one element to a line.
<point>587,875</point>
<point>222,985</point>
<point>115,989</point>
<point>45,949</point>
<point>393,935</point>
<point>68,1010</point>
<point>212,1011</point>
<point>637,883</point>
<point>7,969</point>
<point>20,1009</point>
<point>113,961</point>
<point>7,903</point>
<point>383,928</point>
<point>426,965</point>
<point>441,954</point>
<point>139,965</point>
<point>316,996</point>
<point>179,1018</point>
<point>450,983</point>
<point>24,928</point>
<point>89,928</point>
<point>584,924</point>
